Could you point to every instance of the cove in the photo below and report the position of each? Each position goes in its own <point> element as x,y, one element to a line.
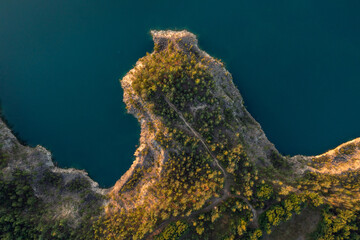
<point>296,64</point>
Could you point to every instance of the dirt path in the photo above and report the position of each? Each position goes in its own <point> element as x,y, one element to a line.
<point>216,201</point>
<point>253,210</point>
<point>197,135</point>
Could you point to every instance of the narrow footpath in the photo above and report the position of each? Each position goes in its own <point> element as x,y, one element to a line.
<point>226,190</point>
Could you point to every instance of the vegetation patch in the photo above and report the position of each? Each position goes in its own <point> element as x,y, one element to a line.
<point>173,231</point>
<point>135,178</point>
<point>348,149</point>
<point>78,184</point>
<point>319,162</point>
<point>3,160</point>
<point>51,178</point>
<point>278,161</point>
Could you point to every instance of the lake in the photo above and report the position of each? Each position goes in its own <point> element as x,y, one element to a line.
<point>296,63</point>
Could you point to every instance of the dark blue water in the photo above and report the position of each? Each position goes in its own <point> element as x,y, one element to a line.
<point>297,64</point>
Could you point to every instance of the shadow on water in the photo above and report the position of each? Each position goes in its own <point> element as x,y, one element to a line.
<point>10,126</point>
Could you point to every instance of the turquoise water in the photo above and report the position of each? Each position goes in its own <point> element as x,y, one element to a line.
<point>296,63</point>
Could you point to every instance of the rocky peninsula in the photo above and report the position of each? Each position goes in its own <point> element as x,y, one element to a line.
<point>204,168</point>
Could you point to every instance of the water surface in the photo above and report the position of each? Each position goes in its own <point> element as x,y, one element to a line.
<point>296,63</point>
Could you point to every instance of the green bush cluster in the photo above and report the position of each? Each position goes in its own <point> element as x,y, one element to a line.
<point>51,178</point>
<point>173,231</point>
<point>264,192</point>
<point>138,174</point>
<point>338,224</point>
<point>3,159</point>
<point>278,161</point>
<point>78,184</point>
